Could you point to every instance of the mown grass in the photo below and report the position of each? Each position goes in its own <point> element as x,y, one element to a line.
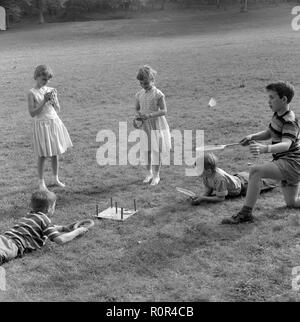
<point>170,250</point>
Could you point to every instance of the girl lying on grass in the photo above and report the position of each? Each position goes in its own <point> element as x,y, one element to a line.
<point>220,184</point>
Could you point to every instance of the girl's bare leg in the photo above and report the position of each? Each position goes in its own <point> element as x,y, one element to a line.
<point>55,166</point>
<point>41,167</point>
<point>148,159</point>
<point>157,166</point>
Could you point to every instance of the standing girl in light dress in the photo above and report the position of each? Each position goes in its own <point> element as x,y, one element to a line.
<point>50,137</point>
<point>151,108</point>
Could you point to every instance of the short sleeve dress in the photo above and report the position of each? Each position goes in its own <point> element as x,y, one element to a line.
<point>50,136</point>
<point>156,129</point>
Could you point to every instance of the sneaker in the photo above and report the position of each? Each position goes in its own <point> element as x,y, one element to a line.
<point>238,219</point>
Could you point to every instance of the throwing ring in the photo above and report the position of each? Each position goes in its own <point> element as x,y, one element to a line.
<point>87,223</point>
<point>138,123</point>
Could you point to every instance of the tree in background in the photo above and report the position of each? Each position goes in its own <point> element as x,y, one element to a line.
<point>16,8</point>
<point>76,9</point>
<point>12,8</point>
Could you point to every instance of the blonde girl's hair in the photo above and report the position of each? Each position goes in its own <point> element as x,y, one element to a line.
<point>210,162</point>
<point>43,70</point>
<point>146,73</point>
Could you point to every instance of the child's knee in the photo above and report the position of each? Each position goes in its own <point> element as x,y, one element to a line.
<point>255,171</point>
<point>291,203</point>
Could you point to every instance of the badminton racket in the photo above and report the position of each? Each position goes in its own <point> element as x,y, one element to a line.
<point>186,192</point>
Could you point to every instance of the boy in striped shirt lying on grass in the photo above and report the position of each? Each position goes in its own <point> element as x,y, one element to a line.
<point>32,231</point>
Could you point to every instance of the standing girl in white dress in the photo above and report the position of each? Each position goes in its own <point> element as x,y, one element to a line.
<point>50,137</point>
<point>151,108</point>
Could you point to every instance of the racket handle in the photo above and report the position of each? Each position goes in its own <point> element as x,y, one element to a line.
<point>232,144</point>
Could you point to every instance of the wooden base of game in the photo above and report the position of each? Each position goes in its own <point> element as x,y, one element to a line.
<point>110,213</point>
<point>116,213</point>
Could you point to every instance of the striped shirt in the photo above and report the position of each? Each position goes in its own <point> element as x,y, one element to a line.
<point>285,126</point>
<point>32,231</point>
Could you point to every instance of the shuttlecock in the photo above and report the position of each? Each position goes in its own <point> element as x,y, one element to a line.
<point>212,102</point>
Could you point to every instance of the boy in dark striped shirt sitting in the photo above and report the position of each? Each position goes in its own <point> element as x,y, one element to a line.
<point>283,131</point>
<point>32,231</point>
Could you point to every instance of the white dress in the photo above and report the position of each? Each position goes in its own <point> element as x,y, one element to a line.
<point>50,136</point>
<point>157,129</point>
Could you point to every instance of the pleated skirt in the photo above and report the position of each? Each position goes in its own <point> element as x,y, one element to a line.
<point>50,137</point>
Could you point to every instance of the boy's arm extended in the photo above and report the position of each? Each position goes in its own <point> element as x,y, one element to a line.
<point>67,237</point>
<point>211,198</point>
<point>263,135</point>
<point>274,148</point>
<point>259,136</point>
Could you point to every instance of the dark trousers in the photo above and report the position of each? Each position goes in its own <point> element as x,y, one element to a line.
<point>266,184</point>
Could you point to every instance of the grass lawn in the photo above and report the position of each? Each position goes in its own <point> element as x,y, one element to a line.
<point>170,251</point>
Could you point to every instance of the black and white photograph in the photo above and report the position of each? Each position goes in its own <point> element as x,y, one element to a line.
<point>150,153</point>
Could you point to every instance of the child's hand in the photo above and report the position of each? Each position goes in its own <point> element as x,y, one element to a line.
<point>48,96</point>
<point>144,116</point>
<point>82,230</point>
<point>196,200</point>
<point>246,141</point>
<point>257,148</point>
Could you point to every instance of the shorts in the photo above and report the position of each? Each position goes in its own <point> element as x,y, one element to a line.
<point>290,170</point>
<point>8,249</point>
<point>244,178</point>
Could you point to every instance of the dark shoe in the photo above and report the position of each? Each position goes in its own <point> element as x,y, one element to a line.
<point>238,219</point>
<point>2,260</point>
